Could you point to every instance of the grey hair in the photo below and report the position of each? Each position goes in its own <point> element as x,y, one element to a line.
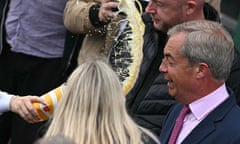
<point>207,42</point>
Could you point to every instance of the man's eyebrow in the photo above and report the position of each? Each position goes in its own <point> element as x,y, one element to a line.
<point>167,55</point>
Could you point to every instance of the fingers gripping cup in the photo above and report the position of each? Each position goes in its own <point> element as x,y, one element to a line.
<point>52,98</point>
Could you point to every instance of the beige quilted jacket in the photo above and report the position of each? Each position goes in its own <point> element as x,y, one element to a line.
<point>76,19</point>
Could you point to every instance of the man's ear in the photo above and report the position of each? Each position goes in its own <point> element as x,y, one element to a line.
<point>202,70</point>
<point>190,7</point>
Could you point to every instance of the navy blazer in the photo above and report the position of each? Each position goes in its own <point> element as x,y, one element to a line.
<point>221,126</point>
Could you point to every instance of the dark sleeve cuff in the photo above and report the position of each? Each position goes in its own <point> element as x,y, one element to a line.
<point>93,16</point>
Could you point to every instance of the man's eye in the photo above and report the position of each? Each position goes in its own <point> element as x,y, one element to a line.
<point>160,4</point>
<point>170,63</point>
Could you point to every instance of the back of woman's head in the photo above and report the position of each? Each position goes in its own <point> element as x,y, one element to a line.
<point>92,109</point>
<point>94,88</point>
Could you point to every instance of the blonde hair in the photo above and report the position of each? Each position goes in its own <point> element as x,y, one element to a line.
<point>92,110</point>
<point>56,139</point>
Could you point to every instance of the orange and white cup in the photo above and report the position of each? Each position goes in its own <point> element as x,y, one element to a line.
<point>52,98</point>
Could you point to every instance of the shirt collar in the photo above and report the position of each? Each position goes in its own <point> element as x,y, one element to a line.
<point>202,107</point>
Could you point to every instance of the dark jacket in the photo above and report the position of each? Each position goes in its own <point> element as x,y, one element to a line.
<point>72,45</point>
<point>221,126</point>
<point>148,102</point>
<point>233,80</point>
<point>3,13</point>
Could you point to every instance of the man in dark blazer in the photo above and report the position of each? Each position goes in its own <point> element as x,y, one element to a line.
<point>197,61</point>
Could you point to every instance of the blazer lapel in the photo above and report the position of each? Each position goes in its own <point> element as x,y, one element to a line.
<point>200,132</point>
<point>169,123</point>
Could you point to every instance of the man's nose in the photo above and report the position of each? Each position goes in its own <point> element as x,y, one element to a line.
<point>150,7</point>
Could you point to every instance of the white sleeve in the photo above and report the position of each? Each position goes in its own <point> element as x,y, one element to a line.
<point>4,101</point>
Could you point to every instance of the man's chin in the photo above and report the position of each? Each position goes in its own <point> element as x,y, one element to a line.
<point>160,27</point>
<point>157,26</point>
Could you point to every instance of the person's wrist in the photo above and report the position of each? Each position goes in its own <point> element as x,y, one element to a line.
<point>13,98</point>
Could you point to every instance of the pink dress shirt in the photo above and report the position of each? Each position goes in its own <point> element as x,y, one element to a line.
<point>200,108</point>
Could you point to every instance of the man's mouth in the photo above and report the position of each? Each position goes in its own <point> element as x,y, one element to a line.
<point>170,83</point>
